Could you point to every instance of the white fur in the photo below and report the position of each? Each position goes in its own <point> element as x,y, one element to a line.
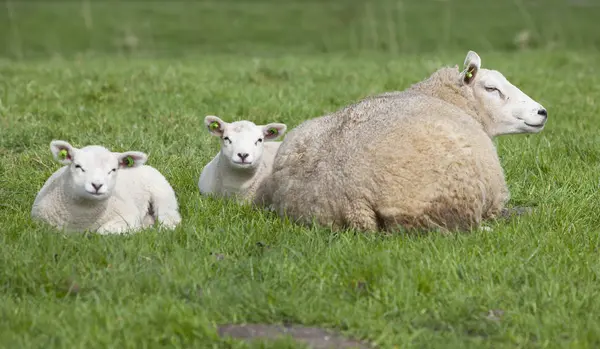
<point>244,160</point>
<point>98,191</point>
<point>511,111</point>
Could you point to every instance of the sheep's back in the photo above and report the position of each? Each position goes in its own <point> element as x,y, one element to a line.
<point>349,159</point>
<point>136,185</point>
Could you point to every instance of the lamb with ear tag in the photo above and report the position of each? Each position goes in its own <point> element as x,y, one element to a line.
<point>106,192</point>
<point>245,158</point>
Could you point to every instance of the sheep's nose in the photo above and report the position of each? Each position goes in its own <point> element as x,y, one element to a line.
<point>96,186</point>
<point>543,113</point>
<point>243,156</point>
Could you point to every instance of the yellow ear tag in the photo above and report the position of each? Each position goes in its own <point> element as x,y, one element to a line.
<point>214,125</point>
<point>62,154</point>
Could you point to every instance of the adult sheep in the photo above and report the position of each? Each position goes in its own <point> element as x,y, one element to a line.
<point>420,159</point>
<point>103,191</point>
<point>244,160</point>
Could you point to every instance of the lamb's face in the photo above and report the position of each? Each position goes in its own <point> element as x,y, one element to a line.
<point>509,110</point>
<point>242,142</point>
<point>93,170</point>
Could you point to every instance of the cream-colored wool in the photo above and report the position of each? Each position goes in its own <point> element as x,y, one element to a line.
<point>105,192</point>
<point>419,159</point>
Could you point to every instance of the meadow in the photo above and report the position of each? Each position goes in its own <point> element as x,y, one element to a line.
<point>142,75</point>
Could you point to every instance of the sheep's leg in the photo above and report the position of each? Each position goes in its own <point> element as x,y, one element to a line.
<point>165,207</point>
<point>457,210</point>
<point>498,201</point>
<point>361,217</point>
<point>114,227</point>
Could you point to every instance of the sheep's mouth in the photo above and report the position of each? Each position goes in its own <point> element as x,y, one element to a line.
<point>95,194</point>
<point>535,125</point>
<point>242,163</point>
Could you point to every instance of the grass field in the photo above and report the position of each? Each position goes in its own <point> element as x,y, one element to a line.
<point>532,282</point>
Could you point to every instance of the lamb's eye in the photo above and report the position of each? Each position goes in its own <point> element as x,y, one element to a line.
<point>113,170</point>
<point>259,140</point>
<point>227,139</point>
<point>79,167</point>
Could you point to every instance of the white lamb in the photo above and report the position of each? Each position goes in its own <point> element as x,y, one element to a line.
<point>419,159</point>
<point>244,160</point>
<point>105,192</point>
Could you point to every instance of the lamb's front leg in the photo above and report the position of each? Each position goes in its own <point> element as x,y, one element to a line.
<point>115,227</point>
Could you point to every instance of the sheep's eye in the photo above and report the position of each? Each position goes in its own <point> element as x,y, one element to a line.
<point>259,140</point>
<point>227,139</point>
<point>79,167</point>
<point>113,170</point>
<point>494,89</point>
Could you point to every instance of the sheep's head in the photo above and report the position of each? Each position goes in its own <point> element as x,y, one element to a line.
<point>242,142</point>
<point>508,110</point>
<point>93,169</point>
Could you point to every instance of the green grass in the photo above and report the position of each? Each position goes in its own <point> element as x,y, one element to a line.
<point>228,263</point>
<point>30,28</point>
<point>540,270</point>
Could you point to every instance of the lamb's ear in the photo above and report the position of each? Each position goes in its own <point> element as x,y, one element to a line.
<point>130,159</point>
<point>273,131</point>
<point>471,66</point>
<point>62,151</point>
<point>215,125</point>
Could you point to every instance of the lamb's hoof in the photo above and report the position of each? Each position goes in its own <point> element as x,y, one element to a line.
<point>168,226</point>
<point>169,223</point>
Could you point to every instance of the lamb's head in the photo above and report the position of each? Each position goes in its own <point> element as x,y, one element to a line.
<point>242,142</point>
<point>93,170</point>
<point>506,109</point>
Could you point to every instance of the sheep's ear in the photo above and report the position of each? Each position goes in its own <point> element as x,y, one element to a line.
<point>471,65</point>
<point>62,151</point>
<point>273,131</point>
<point>215,125</point>
<point>130,159</point>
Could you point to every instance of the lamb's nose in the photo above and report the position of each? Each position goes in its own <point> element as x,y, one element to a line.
<point>96,186</point>
<point>543,113</point>
<point>243,156</point>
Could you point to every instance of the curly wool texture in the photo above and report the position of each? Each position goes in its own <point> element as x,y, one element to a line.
<point>140,197</point>
<point>420,159</point>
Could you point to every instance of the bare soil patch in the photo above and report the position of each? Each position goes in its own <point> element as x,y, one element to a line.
<point>314,337</point>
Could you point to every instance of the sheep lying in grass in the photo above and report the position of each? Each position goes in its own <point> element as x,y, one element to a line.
<point>245,158</point>
<point>419,159</point>
<point>104,191</point>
